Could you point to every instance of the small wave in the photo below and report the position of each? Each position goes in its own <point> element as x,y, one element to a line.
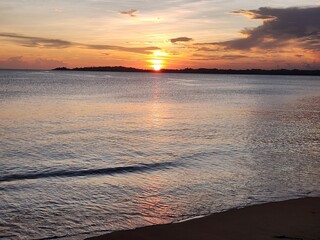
<point>90,172</point>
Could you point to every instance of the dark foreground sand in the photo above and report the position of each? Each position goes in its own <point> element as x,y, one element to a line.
<point>292,219</point>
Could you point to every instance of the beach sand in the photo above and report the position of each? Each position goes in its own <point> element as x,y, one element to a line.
<point>292,220</point>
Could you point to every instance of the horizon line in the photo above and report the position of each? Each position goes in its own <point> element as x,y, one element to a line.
<point>119,67</point>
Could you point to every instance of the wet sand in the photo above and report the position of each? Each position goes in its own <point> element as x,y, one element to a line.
<point>292,220</point>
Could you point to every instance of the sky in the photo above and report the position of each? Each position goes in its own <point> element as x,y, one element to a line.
<point>151,34</point>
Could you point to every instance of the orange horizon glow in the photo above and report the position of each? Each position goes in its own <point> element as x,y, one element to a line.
<point>159,37</point>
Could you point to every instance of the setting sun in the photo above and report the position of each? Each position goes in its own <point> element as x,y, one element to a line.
<point>157,64</point>
<point>157,67</point>
<point>158,60</point>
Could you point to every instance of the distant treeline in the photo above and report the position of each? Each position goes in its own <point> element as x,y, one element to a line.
<point>199,70</point>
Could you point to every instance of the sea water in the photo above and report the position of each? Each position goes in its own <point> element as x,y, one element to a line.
<point>83,153</point>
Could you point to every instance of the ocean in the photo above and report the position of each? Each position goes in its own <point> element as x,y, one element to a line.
<point>84,153</point>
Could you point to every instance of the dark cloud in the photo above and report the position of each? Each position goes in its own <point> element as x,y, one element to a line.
<point>131,13</point>
<point>233,56</point>
<point>180,39</point>
<point>281,27</point>
<point>206,49</point>
<point>29,41</point>
<point>225,57</point>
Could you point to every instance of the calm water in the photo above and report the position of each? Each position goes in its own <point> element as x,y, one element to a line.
<point>83,153</point>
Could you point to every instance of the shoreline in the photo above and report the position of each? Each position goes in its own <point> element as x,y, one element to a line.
<point>294,219</point>
<point>285,72</point>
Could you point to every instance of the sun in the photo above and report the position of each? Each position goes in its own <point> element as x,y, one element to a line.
<point>157,64</point>
<point>158,60</point>
<point>157,67</point>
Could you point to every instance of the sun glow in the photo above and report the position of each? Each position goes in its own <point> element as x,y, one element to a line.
<point>157,67</point>
<point>160,53</point>
<point>157,64</point>
<point>158,60</point>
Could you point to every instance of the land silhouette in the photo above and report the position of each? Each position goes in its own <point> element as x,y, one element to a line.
<point>198,70</point>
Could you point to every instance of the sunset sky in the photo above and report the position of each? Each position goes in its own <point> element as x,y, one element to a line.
<point>237,34</point>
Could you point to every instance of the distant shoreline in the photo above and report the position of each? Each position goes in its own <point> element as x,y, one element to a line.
<point>293,72</point>
<point>291,219</point>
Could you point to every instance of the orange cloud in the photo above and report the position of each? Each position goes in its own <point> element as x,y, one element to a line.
<point>29,41</point>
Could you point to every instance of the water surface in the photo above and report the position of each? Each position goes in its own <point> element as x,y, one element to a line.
<point>87,152</point>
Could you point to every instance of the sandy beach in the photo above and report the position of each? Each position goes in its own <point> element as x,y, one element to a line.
<point>292,219</point>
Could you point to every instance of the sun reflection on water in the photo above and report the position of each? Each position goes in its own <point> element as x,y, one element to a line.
<point>152,207</point>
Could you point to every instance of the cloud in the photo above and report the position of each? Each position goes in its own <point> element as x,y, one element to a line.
<point>281,27</point>
<point>29,41</point>
<point>130,13</point>
<point>206,49</point>
<point>220,57</point>
<point>233,56</point>
<point>18,62</point>
<point>142,50</point>
<point>180,39</point>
